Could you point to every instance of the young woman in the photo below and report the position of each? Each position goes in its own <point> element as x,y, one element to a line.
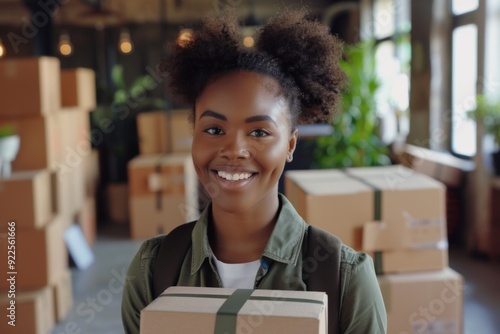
<point>246,107</point>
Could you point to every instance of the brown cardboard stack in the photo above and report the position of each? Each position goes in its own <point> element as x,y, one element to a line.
<point>78,168</point>
<point>164,132</point>
<point>162,192</point>
<point>408,209</point>
<point>31,102</point>
<point>427,302</point>
<point>78,88</point>
<point>398,217</point>
<point>237,311</point>
<point>46,190</point>
<point>34,312</point>
<point>37,241</point>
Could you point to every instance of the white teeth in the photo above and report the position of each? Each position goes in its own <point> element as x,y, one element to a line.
<point>234,177</point>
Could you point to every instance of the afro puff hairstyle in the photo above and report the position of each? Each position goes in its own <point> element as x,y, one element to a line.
<point>301,55</point>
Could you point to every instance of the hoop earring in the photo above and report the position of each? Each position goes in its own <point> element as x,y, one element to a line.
<point>289,158</point>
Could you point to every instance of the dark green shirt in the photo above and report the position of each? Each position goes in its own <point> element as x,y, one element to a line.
<point>282,264</point>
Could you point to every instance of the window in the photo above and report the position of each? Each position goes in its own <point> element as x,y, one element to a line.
<point>391,27</point>
<point>464,6</point>
<point>464,76</point>
<point>463,89</point>
<point>384,18</point>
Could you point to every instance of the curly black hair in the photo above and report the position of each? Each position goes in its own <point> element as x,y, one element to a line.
<point>300,54</point>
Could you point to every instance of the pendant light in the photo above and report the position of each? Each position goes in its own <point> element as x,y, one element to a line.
<point>125,43</point>
<point>65,46</point>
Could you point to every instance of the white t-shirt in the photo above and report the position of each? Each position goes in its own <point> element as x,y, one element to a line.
<point>237,275</point>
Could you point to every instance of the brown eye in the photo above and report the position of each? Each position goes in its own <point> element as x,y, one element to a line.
<point>259,133</point>
<point>214,131</point>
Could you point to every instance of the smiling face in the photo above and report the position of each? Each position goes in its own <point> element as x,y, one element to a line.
<point>242,138</point>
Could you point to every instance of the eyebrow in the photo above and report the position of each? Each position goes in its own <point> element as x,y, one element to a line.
<point>252,119</point>
<point>210,113</point>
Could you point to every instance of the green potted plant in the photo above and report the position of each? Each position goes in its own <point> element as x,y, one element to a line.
<point>9,147</point>
<point>355,141</point>
<point>488,113</point>
<point>116,119</point>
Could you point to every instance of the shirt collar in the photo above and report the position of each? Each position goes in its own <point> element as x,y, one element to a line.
<point>284,245</point>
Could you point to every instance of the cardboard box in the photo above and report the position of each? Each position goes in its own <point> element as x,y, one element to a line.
<point>70,168</point>
<point>69,185</point>
<point>86,218</point>
<point>199,310</point>
<point>40,141</point>
<point>340,202</point>
<point>74,134</point>
<point>26,199</point>
<point>30,86</point>
<point>78,88</point>
<point>41,256</point>
<point>164,132</point>
<point>163,193</point>
<point>407,247</point>
<point>63,295</point>
<point>409,260</point>
<point>424,302</point>
<point>117,198</point>
<point>92,173</point>
<point>410,234</point>
<point>34,311</point>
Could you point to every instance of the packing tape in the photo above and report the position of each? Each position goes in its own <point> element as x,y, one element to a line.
<point>377,261</point>
<point>377,195</point>
<point>377,213</point>
<point>226,318</point>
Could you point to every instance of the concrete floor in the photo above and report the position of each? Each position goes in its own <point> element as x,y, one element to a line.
<point>97,290</point>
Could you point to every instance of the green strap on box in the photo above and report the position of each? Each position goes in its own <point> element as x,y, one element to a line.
<point>225,322</point>
<point>377,215</point>
<point>377,261</point>
<point>226,318</point>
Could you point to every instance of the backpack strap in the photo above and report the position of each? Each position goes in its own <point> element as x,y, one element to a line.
<point>170,256</point>
<point>326,249</point>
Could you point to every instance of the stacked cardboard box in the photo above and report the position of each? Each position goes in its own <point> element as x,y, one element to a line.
<point>396,215</point>
<point>427,302</point>
<point>33,237</point>
<point>163,187</point>
<point>164,132</point>
<point>78,167</point>
<point>31,101</point>
<point>391,210</point>
<point>163,193</point>
<point>34,312</point>
<point>45,192</point>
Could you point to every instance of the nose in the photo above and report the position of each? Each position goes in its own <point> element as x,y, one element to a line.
<point>235,147</point>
